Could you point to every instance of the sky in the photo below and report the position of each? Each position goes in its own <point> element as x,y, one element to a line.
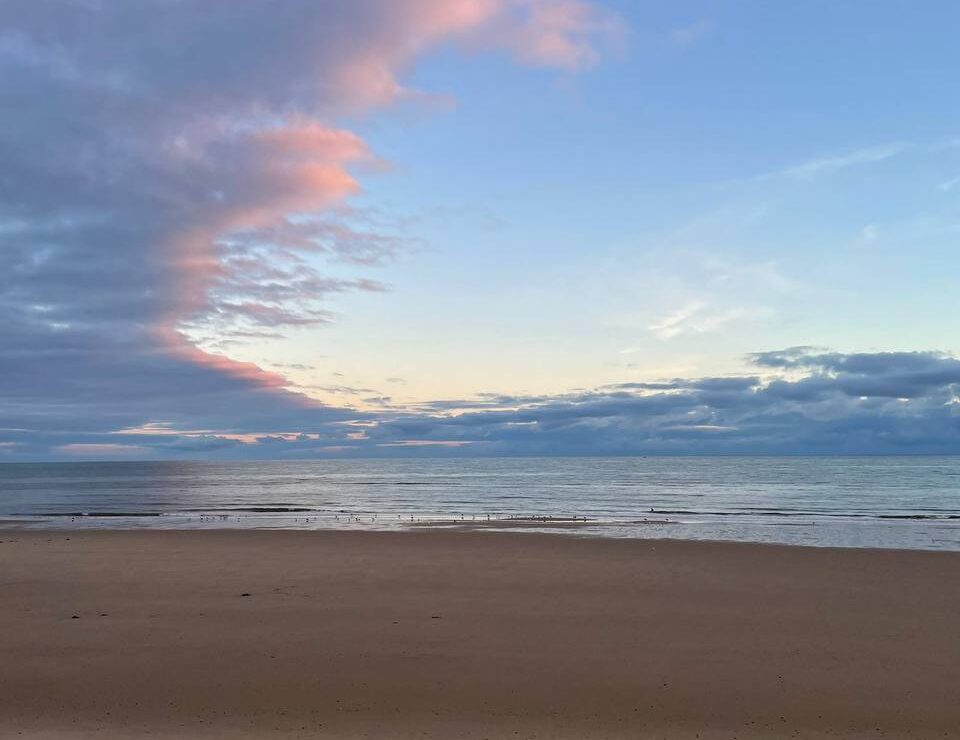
<point>242,229</point>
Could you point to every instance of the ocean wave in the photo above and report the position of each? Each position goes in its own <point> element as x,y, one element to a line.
<point>254,510</point>
<point>98,514</point>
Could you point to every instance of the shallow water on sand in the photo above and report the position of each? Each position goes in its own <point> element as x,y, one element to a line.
<point>900,502</point>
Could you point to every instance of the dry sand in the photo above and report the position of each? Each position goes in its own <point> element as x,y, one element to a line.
<point>471,635</point>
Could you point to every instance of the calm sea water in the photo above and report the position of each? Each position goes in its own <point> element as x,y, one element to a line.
<point>901,502</point>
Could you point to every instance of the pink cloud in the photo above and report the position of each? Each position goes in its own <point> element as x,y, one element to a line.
<point>561,33</point>
<point>243,370</point>
<point>260,175</point>
<point>206,169</point>
<point>255,180</point>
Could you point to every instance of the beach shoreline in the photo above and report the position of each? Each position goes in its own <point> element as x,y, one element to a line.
<point>437,633</point>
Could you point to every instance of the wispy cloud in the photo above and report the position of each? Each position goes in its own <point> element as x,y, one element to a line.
<point>948,185</point>
<point>698,318</point>
<point>820,166</point>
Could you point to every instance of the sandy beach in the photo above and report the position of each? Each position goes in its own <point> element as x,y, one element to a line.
<point>470,635</point>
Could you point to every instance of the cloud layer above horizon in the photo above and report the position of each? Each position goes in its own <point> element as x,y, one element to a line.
<point>176,175</point>
<point>800,401</point>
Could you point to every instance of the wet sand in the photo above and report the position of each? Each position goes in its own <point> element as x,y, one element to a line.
<point>471,635</point>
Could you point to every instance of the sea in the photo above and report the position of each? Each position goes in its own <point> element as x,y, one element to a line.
<point>877,502</point>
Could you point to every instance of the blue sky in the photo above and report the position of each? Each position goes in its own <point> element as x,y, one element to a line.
<point>784,175</point>
<point>522,203</point>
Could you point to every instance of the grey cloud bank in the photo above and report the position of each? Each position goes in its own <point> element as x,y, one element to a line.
<point>826,403</point>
